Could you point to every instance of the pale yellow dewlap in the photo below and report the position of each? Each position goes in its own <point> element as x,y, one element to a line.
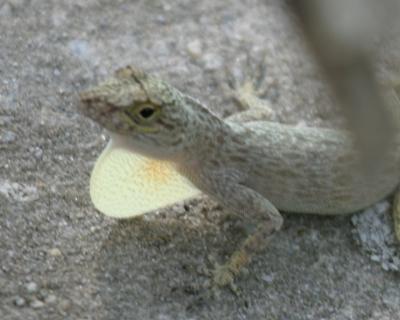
<point>124,184</point>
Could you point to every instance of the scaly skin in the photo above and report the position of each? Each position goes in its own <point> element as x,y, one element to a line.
<point>250,167</point>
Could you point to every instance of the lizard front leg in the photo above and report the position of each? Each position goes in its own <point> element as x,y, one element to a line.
<point>243,200</point>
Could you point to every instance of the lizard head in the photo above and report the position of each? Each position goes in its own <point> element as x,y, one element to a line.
<point>152,115</point>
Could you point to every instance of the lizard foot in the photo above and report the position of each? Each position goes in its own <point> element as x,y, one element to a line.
<point>249,92</point>
<point>219,277</point>
<point>222,276</point>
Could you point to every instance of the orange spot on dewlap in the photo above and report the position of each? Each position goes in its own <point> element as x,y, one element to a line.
<point>157,171</point>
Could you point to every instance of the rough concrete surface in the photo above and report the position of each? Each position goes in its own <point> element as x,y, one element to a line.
<point>61,259</point>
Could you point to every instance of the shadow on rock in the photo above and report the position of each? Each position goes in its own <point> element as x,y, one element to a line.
<point>147,267</point>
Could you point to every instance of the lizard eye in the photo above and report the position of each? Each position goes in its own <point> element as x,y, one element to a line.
<point>143,116</point>
<point>146,112</point>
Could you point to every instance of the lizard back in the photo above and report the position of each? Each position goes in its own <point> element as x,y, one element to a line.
<point>309,170</point>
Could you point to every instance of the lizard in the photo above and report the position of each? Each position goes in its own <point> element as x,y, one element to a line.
<point>167,146</point>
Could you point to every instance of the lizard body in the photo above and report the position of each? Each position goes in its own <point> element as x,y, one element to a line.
<point>250,167</point>
<point>299,169</point>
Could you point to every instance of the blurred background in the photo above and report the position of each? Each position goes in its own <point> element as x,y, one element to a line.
<point>326,63</point>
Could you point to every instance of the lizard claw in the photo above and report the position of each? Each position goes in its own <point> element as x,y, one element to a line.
<point>249,89</point>
<point>222,276</point>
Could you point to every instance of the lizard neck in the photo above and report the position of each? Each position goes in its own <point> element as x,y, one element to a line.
<point>206,133</point>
